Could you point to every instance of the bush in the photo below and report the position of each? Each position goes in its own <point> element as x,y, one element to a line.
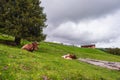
<point>115,51</point>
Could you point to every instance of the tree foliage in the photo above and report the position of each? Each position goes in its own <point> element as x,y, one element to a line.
<point>115,51</point>
<point>23,19</point>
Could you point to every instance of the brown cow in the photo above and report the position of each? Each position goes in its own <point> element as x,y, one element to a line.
<point>31,47</point>
<point>69,56</point>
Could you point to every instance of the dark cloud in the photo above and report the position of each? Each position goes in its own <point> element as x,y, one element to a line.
<point>74,10</point>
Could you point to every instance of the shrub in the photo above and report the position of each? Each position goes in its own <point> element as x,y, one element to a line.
<point>115,51</point>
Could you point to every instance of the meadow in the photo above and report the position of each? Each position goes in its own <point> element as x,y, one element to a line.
<point>47,63</point>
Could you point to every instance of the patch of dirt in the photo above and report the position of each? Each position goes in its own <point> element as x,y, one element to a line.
<point>45,78</point>
<point>106,64</point>
<point>5,67</point>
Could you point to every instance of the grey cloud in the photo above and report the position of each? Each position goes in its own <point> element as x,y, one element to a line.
<point>93,21</point>
<point>59,11</point>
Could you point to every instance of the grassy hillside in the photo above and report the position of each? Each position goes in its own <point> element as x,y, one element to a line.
<point>17,64</point>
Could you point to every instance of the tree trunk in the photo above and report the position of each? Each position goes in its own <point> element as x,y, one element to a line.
<point>17,40</point>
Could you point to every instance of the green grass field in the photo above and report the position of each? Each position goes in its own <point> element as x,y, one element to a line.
<point>17,64</point>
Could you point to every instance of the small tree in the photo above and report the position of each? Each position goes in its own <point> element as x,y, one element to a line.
<point>23,19</point>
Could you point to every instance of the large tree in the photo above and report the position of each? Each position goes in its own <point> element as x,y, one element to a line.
<point>23,19</point>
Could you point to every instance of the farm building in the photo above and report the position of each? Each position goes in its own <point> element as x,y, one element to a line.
<point>88,46</point>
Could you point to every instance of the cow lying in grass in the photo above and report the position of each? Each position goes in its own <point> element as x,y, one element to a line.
<point>69,56</point>
<point>31,47</point>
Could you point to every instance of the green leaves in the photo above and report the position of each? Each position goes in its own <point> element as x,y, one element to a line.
<point>23,18</point>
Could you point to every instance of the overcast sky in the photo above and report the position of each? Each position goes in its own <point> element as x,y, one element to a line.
<point>81,22</point>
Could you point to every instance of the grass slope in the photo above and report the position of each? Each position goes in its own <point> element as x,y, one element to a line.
<point>17,64</point>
